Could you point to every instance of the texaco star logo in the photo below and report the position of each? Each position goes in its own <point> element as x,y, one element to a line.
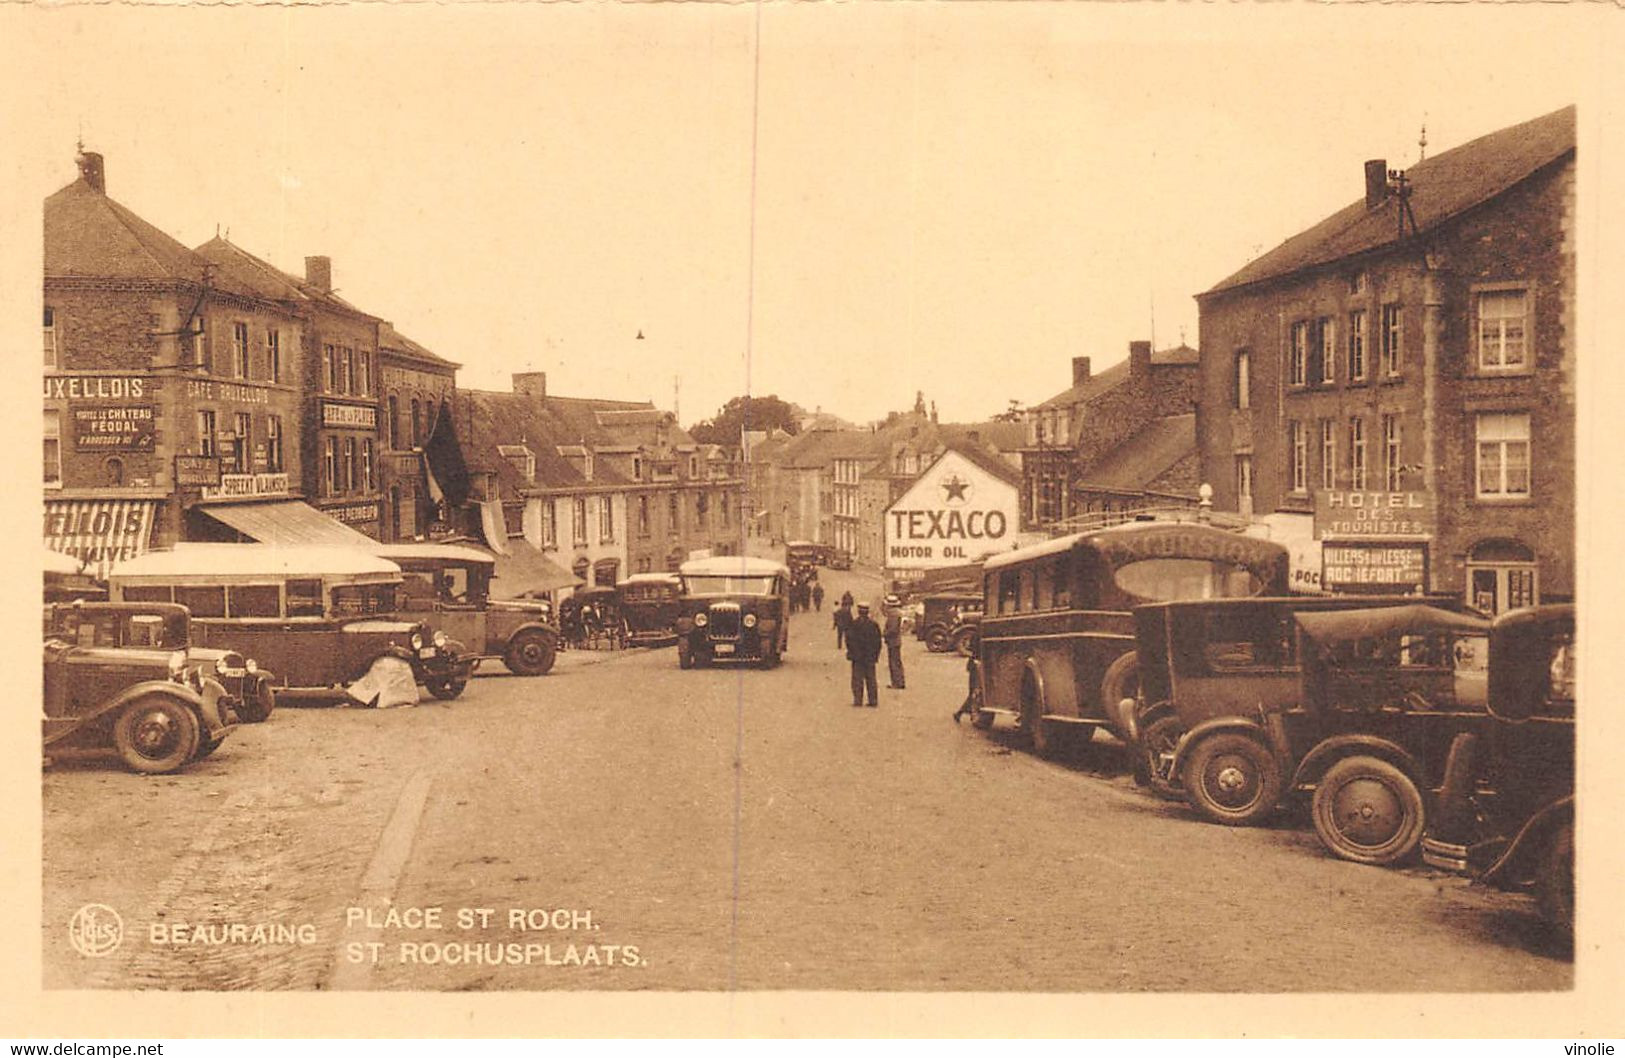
<point>956,490</point>
<point>95,930</point>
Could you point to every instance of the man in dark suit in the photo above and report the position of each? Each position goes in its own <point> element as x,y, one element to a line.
<point>863,651</point>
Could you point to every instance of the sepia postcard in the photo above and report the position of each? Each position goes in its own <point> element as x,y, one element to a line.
<point>813,519</point>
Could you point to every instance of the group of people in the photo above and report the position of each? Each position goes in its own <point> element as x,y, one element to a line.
<point>806,594</point>
<point>862,638</point>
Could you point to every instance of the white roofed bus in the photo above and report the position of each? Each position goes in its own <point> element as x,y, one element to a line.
<point>1057,635</point>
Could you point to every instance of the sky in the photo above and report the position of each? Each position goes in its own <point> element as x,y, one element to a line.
<point>838,203</point>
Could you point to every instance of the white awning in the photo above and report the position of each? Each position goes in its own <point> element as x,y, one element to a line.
<point>287,523</point>
<point>99,532</point>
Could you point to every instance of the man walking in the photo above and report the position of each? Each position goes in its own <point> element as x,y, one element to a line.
<point>843,621</point>
<point>894,641</point>
<point>863,650</point>
<point>818,595</point>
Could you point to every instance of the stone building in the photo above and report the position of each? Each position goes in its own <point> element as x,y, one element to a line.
<point>1399,378</point>
<point>172,390</point>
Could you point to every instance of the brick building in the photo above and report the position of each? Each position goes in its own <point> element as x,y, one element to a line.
<point>1099,445</point>
<point>171,389</point>
<point>1419,345</point>
<point>416,390</point>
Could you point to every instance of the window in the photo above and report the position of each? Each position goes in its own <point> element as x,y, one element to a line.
<point>1298,355</point>
<point>346,370</point>
<point>693,466</point>
<point>330,467</point>
<point>1357,346</point>
<point>1009,591</point>
<point>643,516</point>
<point>1392,467</point>
<point>1357,454</point>
<point>363,373</point>
<point>202,601</point>
<point>200,344</point>
<point>1326,359</point>
<point>254,600</point>
<point>673,518</point>
<point>394,423</point>
<point>1503,454</point>
<point>1297,456</point>
<point>53,447</point>
<point>351,471</point>
<point>273,355</point>
<point>1244,379</point>
<point>304,598</point>
<point>578,520</point>
<point>330,367</point>
<point>50,337</point>
<point>239,349</point>
<point>1244,483</point>
<point>702,504</point>
<point>550,524</point>
<point>513,519</point>
<point>206,444</point>
<point>1328,454</point>
<point>1502,328</point>
<point>417,423</point>
<point>273,444</point>
<point>723,506</point>
<point>243,430</point>
<point>606,520</point>
<point>637,468</point>
<point>1392,340</point>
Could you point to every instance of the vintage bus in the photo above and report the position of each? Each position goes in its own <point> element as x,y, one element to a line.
<point>1057,637</point>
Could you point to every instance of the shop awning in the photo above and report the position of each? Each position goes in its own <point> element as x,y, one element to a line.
<point>287,523</point>
<point>99,532</point>
<point>523,568</point>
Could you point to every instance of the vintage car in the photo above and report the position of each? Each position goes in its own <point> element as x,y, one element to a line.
<point>148,703</point>
<point>733,608</point>
<point>449,587</point>
<point>942,613</point>
<point>965,636</point>
<point>1245,702</point>
<point>249,691</point>
<point>840,558</point>
<point>322,618</point>
<point>1506,810</point>
<point>649,606</point>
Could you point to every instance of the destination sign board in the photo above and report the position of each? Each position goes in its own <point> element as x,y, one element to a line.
<point>1375,567</point>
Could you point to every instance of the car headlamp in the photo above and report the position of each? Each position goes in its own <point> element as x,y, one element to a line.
<point>750,620</point>
<point>440,639</point>
<point>417,640</point>
<point>700,620</point>
<point>220,665</point>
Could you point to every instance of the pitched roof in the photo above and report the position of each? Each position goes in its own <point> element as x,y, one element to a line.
<point>1442,188</point>
<point>1145,456</point>
<point>814,449</point>
<point>266,280</point>
<point>396,342</point>
<point>495,419</point>
<point>988,462</point>
<point>1116,375</point>
<point>1004,436</point>
<point>89,234</point>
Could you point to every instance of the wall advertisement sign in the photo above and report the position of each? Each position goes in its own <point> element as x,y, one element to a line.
<point>127,428</point>
<point>955,513</point>
<point>1371,566</point>
<point>197,472</point>
<point>1342,513</point>
<point>358,416</point>
<point>351,513</point>
<point>247,486</point>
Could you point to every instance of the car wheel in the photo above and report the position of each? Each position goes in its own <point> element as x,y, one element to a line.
<point>530,653</point>
<point>1231,779</point>
<point>1368,811</point>
<point>937,639</point>
<point>446,687</point>
<point>156,734</point>
<point>1554,880</point>
<point>260,708</point>
<point>1121,680</point>
<point>1157,742</point>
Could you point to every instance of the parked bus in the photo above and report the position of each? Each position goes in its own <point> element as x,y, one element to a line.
<point>1057,637</point>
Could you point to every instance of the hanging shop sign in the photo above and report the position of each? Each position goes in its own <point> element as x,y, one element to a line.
<point>127,428</point>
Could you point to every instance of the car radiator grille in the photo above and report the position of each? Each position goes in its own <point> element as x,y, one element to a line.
<point>724,622</point>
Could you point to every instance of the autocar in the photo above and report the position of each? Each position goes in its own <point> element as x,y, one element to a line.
<point>1251,701</point>
<point>322,618</point>
<point>964,635</point>
<point>250,694</point>
<point>1505,813</point>
<point>840,558</point>
<point>649,605</point>
<point>148,703</point>
<point>449,587</point>
<point>940,614</point>
<point>733,608</point>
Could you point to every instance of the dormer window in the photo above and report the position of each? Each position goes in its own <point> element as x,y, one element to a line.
<point>586,465</point>
<point>637,468</point>
<point>521,458</point>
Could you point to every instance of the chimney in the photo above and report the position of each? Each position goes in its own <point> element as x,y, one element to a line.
<point>1376,182</point>
<point>90,170</point>
<point>1139,359</point>
<point>1080,370</point>
<point>319,273</point>
<point>531,384</point>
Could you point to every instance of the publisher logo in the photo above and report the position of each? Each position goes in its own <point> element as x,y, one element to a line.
<point>95,930</point>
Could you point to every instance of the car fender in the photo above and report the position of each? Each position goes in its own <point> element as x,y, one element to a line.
<point>534,626</point>
<point>1240,725</point>
<point>1143,716</point>
<point>180,692</point>
<point>1516,864</point>
<point>1031,669</point>
<point>1316,762</point>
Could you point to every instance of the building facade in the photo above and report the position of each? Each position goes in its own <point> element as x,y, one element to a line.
<point>416,388</point>
<point>1400,378</point>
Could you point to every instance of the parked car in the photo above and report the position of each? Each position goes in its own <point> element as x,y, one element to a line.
<point>940,614</point>
<point>249,692</point>
<point>324,619</point>
<point>965,637</point>
<point>1246,702</point>
<point>840,558</point>
<point>649,606</point>
<point>449,587</point>
<point>733,608</point>
<point>1506,812</point>
<point>148,703</point>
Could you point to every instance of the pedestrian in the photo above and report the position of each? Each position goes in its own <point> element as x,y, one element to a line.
<point>863,650</point>
<point>818,596</point>
<point>973,691</point>
<point>894,641</point>
<point>843,621</point>
<point>846,599</point>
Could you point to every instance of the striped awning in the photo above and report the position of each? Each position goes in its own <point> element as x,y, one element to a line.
<point>99,532</point>
<point>289,523</point>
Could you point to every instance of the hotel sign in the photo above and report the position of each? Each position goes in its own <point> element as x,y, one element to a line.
<point>1342,513</point>
<point>1394,568</point>
<point>131,428</point>
<point>247,486</point>
<point>360,416</point>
